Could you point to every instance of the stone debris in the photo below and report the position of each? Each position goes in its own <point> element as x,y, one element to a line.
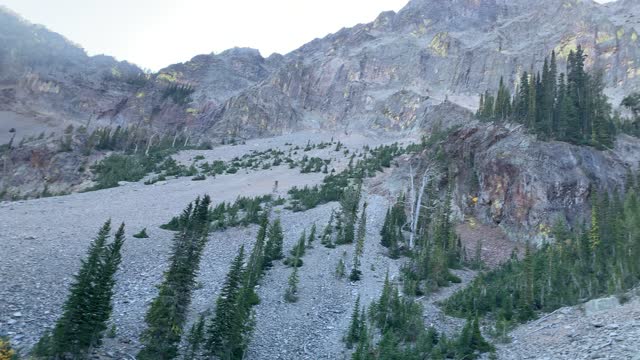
<point>574,333</point>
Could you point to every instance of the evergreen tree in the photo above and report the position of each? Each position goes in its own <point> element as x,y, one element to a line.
<point>167,314</point>
<point>582,263</point>
<point>488,109</point>
<point>87,310</point>
<point>571,107</point>
<point>356,274</point>
<point>225,331</point>
<point>471,341</point>
<point>256,263</point>
<point>297,252</point>
<point>273,248</point>
<point>195,338</point>
<point>530,122</point>
<point>106,283</point>
<point>362,231</point>
<point>552,92</point>
<point>355,327</point>
<point>291,294</point>
<point>312,235</point>
<point>602,128</point>
<point>546,95</point>
<point>480,111</point>
<point>403,335</point>
<point>564,112</point>
<point>632,102</point>
<point>385,232</point>
<point>522,110</point>
<point>391,231</point>
<point>340,269</point>
<point>256,260</point>
<point>503,102</point>
<point>327,234</point>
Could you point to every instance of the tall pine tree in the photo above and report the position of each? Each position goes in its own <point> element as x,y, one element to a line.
<point>166,316</point>
<point>89,306</point>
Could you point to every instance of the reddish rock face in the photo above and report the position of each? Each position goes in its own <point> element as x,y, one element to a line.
<point>524,185</point>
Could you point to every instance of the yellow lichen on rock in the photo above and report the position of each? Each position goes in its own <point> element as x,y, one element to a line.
<point>566,46</point>
<point>421,30</point>
<point>544,229</point>
<point>440,44</point>
<point>170,77</point>
<point>604,37</point>
<point>472,222</point>
<point>115,72</point>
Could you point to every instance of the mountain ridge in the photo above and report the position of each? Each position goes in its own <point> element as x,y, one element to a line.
<point>423,54</point>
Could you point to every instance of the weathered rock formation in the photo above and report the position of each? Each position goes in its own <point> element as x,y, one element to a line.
<point>507,177</point>
<point>380,75</point>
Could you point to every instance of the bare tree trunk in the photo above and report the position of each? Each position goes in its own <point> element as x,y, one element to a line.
<point>412,199</point>
<point>417,204</point>
<point>146,153</point>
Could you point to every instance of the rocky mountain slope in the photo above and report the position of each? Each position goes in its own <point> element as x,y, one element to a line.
<point>45,77</point>
<point>382,75</point>
<point>404,75</point>
<point>599,329</point>
<point>35,283</point>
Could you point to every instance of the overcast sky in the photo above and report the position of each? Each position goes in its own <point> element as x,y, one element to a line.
<point>156,33</point>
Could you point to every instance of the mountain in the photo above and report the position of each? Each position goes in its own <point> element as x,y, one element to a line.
<point>404,73</point>
<point>45,76</point>
<point>522,223</point>
<point>383,75</point>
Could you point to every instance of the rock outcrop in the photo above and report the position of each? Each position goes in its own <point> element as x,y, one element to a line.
<point>506,177</point>
<point>47,77</point>
<point>382,73</point>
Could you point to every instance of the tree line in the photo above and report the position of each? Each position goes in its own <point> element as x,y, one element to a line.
<point>597,258</point>
<point>569,106</point>
<point>373,161</point>
<point>393,328</point>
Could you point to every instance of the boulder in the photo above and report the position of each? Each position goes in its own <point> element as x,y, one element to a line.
<point>598,305</point>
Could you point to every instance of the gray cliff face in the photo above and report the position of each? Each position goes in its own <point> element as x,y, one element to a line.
<point>381,75</point>
<point>432,50</point>
<point>45,76</point>
<point>215,79</point>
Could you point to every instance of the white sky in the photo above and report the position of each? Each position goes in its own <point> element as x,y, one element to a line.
<point>157,33</point>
